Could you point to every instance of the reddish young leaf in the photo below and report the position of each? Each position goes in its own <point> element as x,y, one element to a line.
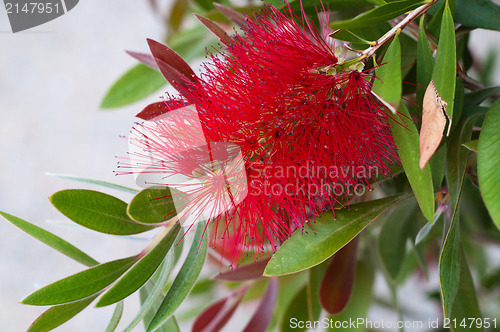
<point>262,316</point>
<point>163,53</point>
<point>244,272</point>
<point>152,111</point>
<point>173,76</point>
<point>145,58</point>
<point>336,287</point>
<point>215,28</point>
<point>219,313</point>
<point>233,15</point>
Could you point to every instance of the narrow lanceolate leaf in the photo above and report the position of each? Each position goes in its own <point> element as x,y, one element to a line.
<point>488,160</point>
<point>170,325</point>
<point>305,249</point>
<point>97,211</point>
<point>388,84</point>
<point>471,145</point>
<point>80,285</point>
<point>337,283</point>
<point>115,319</point>
<point>425,61</point>
<point>244,272</point>
<point>152,205</point>
<point>393,237</point>
<point>445,68</point>
<point>449,266</point>
<point>389,87</point>
<point>466,307</point>
<point>58,315</point>
<point>215,28</point>
<point>136,84</point>
<point>379,14</point>
<point>94,181</point>
<point>51,240</point>
<point>185,279</point>
<point>233,15</point>
<point>450,258</point>
<point>218,314</point>
<point>477,97</point>
<point>483,14</point>
<point>153,295</point>
<point>152,111</point>
<point>145,58</point>
<point>262,316</point>
<point>435,123</point>
<point>140,272</point>
<point>170,57</point>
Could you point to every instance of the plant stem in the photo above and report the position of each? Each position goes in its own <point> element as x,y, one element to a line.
<point>370,51</point>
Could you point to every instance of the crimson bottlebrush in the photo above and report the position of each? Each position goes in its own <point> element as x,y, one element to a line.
<point>289,130</point>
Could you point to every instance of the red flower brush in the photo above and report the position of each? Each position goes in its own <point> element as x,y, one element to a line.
<point>279,128</point>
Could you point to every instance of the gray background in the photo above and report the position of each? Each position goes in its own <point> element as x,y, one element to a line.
<point>52,79</point>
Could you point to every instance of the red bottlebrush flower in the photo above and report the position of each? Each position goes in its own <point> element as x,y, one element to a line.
<point>286,130</point>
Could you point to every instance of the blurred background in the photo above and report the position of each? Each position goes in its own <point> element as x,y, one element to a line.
<point>52,81</point>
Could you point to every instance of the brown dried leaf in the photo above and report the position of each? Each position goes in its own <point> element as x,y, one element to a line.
<point>215,28</point>
<point>435,122</point>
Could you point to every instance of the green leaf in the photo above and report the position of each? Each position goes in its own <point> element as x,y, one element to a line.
<point>483,14</point>
<point>437,165</point>
<point>450,258</point>
<point>97,211</point>
<point>141,271</point>
<point>136,84</point>
<point>295,312</point>
<point>115,319</point>
<point>478,96</point>
<point>393,237</point>
<point>465,307</point>
<point>425,62</point>
<point>445,68</point>
<point>152,205</point>
<point>93,181</point>
<point>185,279</point>
<point>153,294</point>
<point>51,240</point>
<point>404,132</point>
<point>388,84</point>
<point>488,160</point>
<point>58,315</point>
<point>471,145</point>
<point>449,266</point>
<point>80,285</point>
<point>379,14</point>
<point>305,249</point>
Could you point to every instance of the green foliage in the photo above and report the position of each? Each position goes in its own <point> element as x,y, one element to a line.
<point>488,161</point>
<point>456,194</point>
<point>328,236</point>
<point>137,83</point>
<point>97,211</point>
